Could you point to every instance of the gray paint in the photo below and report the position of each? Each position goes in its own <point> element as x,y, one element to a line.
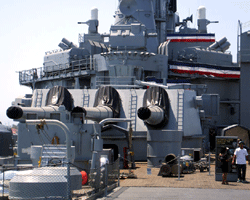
<point>245,81</point>
<point>132,54</point>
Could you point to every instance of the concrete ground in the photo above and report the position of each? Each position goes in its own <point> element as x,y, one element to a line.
<point>197,179</point>
<point>165,193</point>
<point>197,186</point>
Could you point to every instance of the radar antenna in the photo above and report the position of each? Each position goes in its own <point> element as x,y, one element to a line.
<point>128,7</point>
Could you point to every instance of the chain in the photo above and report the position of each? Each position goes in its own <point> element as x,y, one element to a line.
<point>44,132</point>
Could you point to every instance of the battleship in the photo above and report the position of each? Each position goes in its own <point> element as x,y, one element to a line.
<point>152,85</point>
<point>141,50</point>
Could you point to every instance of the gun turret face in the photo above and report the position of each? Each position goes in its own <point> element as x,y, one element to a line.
<point>107,105</point>
<point>155,110</point>
<point>153,115</point>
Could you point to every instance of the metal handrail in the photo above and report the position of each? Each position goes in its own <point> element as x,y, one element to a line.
<point>36,74</point>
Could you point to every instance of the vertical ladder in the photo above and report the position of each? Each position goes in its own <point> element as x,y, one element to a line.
<point>39,97</point>
<point>180,110</point>
<point>85,98</point>
<point>133,108</point>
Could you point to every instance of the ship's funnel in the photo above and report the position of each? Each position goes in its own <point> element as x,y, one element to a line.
<point>128,7</point>
<point>155,110</point>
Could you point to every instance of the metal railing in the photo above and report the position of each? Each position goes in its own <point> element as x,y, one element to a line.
<point>60,185</point>
<point>71,69</point>
<point>80,38</point>
<point>4,184</point>
<point>109,179</point>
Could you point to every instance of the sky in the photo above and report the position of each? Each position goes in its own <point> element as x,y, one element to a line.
<point>29,28</point>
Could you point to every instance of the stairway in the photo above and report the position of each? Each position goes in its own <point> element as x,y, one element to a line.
<point>53,155</point>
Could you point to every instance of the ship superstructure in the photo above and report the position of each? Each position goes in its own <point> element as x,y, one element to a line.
<point>149,88</point>
<point>147,43</point>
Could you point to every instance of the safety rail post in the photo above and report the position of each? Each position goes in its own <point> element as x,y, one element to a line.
<point>209,160</point>
<point>68,181</point>
<point>118,184</point>
<point>3,182</point>
<point>179,167</point>
<point>106,180</point>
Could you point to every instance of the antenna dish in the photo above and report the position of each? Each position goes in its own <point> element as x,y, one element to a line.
<point>128,7</point>
<point>189,19</point>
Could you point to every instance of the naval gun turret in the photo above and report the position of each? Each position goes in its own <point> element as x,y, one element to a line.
<point>58,104</point>
<point>107,105</point>
<point>93,22</point>
<point>58,101</point>
<point>22,113</point>
<point>155,110</point>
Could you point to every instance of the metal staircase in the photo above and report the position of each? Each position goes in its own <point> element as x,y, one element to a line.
<point>53,155</point>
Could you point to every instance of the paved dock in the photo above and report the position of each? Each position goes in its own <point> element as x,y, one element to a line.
<point>197,179</point>
<point>197,185</point>
<point>164,193</point>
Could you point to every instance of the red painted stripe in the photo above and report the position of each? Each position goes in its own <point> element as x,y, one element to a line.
<point>192,40</point>
<point>205,73</point>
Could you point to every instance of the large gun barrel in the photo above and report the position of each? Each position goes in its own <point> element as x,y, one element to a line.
<point>17,112</point>
<point>153,115</point>
<point>98,113</point>
<point>155,110</point>
<point>94,113</point>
